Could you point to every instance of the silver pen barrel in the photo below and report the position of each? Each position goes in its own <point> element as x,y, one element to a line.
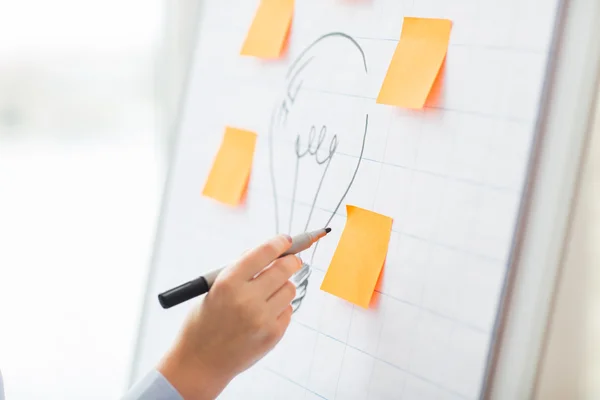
<point>304,241</point>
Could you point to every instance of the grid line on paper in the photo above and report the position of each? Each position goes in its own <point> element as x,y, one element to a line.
<point>410,354</point>
<point>469,45</point>
<point>387,137</point>
<point>339,378</point>
<point>481,256</point>
<point>477,46</point>
<point>471,182</point>
<point>314,352</point>
<point>279,374</point>
<point>496,117</point>
<point>425,108</point>
<point>403,370</point>
<point>419,307</point>
<point>378,340</point>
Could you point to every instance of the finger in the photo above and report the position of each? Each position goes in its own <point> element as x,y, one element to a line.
<point>276,275</point>
<point>258,258</point>
<point>286,313</point>
<point>231,267</point>
<point>282,298</point>
<point>284,319</point>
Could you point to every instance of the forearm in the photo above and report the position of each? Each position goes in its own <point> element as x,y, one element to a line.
<point>191,379</point>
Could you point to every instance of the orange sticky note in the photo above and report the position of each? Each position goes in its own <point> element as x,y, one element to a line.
<point>416,62</point>
<point>231,168</point>
<point>359,256</point>
<point>269,30</point>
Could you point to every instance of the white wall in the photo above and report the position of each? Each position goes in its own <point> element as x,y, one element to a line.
<point>80,172</point>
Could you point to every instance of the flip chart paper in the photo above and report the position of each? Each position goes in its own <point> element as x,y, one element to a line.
<point>416,62</point>
<point>269,30</point>
<point>359,257</point>
<point>231,168</point>
<point>452,182</point>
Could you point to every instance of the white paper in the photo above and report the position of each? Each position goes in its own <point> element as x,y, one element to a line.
<point>450,177</point>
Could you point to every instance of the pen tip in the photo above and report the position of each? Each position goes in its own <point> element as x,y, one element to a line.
<point>327,230</point>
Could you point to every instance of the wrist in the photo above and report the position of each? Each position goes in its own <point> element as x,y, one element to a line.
<point>191,377</point>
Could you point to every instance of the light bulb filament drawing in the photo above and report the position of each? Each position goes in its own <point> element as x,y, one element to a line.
<point>314,145</point>
<point>312,148</point>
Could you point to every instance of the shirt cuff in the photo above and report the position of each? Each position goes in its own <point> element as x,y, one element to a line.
<point>154,386</point>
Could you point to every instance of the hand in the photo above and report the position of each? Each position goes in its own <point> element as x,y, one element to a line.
<point>244,315</point>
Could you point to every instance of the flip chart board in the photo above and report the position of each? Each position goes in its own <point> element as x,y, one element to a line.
<point>450,176</point>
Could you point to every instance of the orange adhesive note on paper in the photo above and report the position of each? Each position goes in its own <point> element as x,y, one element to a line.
<point>416,62</point>
<point>269,30</point>
<point>231,168</point>
<point>359,257</point>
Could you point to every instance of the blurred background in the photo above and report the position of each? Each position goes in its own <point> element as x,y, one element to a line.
<point>88,94</point>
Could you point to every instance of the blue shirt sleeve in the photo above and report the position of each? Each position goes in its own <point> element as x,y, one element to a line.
<point>154,386</point>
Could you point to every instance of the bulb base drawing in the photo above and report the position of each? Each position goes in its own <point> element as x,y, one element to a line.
<point>300,280</point>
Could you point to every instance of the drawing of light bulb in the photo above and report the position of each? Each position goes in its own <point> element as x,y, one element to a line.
<point>308,128</point>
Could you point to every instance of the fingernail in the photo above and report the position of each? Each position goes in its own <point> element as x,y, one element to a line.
<point>288,238</point>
